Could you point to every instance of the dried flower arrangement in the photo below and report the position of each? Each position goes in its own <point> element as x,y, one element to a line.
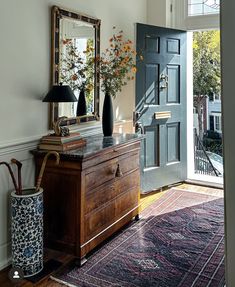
<point>116,65</point>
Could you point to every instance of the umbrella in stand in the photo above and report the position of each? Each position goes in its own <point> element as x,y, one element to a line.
<point>12,175</point>
<point>19,166</point>
<point>39,179</point>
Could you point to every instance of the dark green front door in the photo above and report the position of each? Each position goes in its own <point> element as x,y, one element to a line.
<point>161,105</point>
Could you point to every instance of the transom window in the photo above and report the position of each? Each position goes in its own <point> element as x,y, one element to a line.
<point>203,7</point>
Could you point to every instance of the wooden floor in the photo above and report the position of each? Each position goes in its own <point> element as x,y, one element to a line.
<point>145,201</point>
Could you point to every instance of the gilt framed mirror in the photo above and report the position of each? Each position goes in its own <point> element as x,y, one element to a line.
<point>75,38</point>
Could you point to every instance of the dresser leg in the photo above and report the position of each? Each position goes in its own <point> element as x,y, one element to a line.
<point>81,261</point>
<point>137,217</point>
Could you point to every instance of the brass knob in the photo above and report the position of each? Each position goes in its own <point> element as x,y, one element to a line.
<point>118,171</point>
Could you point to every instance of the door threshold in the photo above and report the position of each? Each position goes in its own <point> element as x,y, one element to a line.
<point>205,183</point>
<point>161,189</point>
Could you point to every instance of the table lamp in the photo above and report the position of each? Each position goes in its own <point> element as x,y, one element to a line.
<point>63,93</point>
<point>60,93</point>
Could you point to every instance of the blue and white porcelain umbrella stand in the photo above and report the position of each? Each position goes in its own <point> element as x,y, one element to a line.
<point>27,230</point>
<point>27,221</point>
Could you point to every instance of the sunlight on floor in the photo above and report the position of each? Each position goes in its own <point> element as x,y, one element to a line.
<point>147,199</point>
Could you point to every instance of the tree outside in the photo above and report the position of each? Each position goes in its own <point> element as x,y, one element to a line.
<point>206,70</point>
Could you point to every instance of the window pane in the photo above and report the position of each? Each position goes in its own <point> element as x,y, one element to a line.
<point>195,1</point>
<point>218,123</point>
<point>203,7</point>
<point>195,9</point>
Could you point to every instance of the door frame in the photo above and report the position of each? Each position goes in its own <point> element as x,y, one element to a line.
<point>191,176</point>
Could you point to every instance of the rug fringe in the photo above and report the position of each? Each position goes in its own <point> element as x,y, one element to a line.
<point>62,282</point>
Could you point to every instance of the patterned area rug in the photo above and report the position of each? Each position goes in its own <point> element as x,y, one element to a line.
<point>179,242</point>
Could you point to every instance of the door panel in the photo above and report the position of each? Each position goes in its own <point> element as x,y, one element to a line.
<point>161,105</point>
<point>173,46</point>
<point>152,43</point>
<point>173,91</point>
<point>151,146</point>
<point>173,142</point>
<point>151,84</point>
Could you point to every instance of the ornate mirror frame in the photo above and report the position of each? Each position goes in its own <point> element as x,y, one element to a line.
<point>57,14</point>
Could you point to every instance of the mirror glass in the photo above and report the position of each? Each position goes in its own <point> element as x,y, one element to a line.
<point>75,40</point>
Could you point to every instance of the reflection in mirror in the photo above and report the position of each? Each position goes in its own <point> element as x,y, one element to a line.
<point>75,41</point>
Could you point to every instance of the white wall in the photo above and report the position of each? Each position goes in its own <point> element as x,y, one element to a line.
<point>25,57</point>
<point>25,78</point>
<point>228,105</point>
<point>158,13</point>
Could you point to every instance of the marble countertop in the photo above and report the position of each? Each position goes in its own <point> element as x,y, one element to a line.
<point>95,144</point>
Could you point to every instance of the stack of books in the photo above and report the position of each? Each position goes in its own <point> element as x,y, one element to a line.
<point>58,143</point>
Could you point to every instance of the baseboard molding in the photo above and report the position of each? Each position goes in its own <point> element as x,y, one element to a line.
<point>4,264</point>
<point>5,259</point>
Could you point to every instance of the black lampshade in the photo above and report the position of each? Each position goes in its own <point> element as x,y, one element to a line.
<point>60,93</point>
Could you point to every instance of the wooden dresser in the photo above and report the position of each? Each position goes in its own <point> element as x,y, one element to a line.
<point>92,193</point>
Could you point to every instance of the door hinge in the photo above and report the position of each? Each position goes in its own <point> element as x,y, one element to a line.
<point>136,116</point>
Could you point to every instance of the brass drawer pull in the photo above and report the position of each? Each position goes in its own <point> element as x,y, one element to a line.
<point>118,172</point>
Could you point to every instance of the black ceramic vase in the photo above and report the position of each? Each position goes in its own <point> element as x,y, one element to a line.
<point>107,116</point>
<point>81,107</point>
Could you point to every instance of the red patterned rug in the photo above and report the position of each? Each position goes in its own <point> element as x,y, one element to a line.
<point>178,242</point>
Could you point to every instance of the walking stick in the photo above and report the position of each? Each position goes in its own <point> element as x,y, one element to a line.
<point>11,173</point>
<point>19,166</point>
<point>39,179</point>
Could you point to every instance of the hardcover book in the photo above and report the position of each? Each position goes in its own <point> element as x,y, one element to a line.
<point>53,139</point>
<point>63,146</point>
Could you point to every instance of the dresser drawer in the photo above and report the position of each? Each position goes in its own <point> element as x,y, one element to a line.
<point>106,192</point>
<point>106,215</point>
<point>110,153</point>
<point>96,221</point>
<point>107,171</point>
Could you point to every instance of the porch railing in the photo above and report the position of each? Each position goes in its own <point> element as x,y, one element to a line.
<point>202,162</point>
